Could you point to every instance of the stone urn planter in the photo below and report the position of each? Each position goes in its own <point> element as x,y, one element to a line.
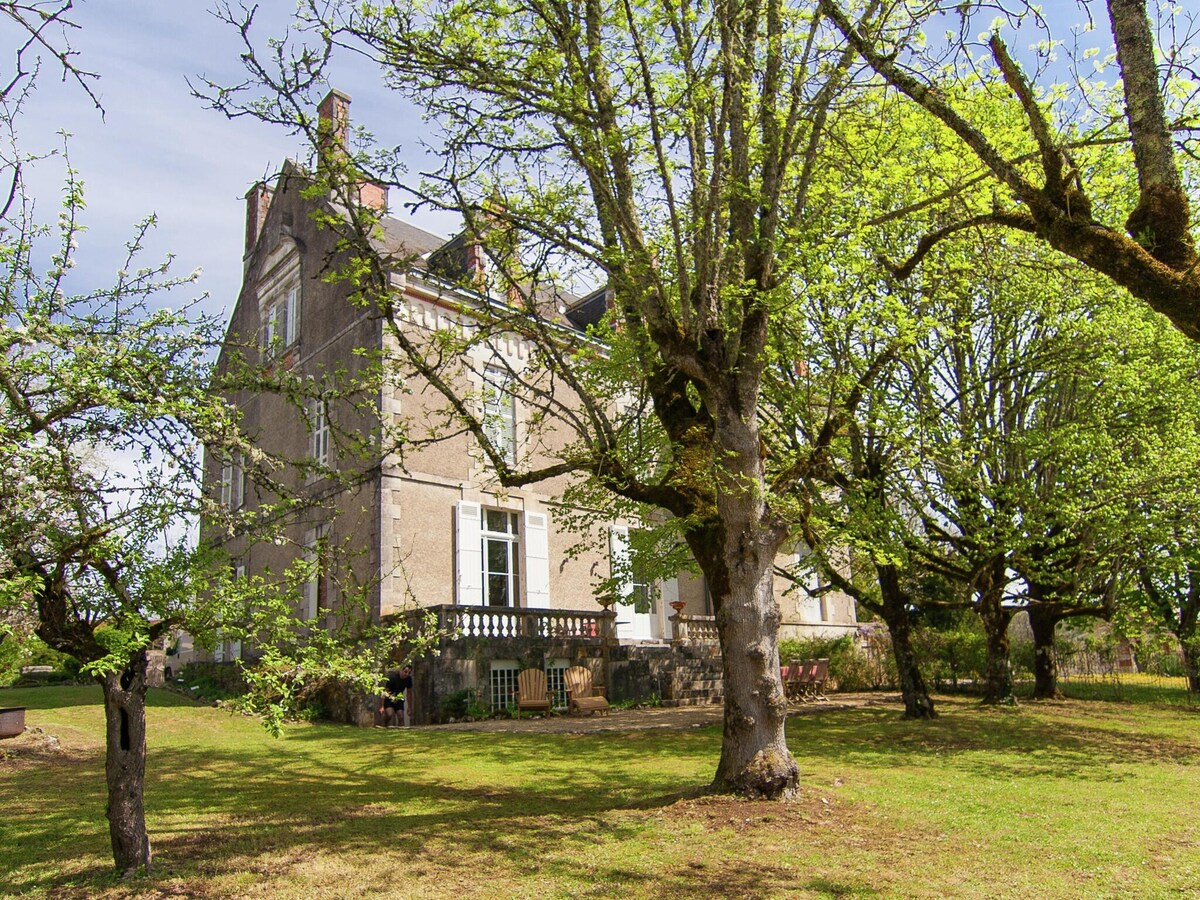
<point>678,606</point>
<point>12,721</point>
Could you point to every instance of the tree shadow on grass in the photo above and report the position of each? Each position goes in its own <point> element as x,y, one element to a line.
<point>1021,742</point>
<point>207,806</point>
<point>511,802</point>
<point>52,696</point>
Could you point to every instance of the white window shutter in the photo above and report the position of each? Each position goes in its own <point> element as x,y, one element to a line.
<point>226,482</point>
<point>272,330</point>
<point>469,554</point>
<point>537,561</point>
<point>309,598</point>
<point>314,410</point>
<point>293,317</point>
<point>318,439</point>
<point>809,607</point>
<point>237,486</point>
<point>618,542</point>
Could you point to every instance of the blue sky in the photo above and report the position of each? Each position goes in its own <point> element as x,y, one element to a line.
<point>159,150</point>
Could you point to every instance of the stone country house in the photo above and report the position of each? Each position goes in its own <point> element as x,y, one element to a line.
<point>492,566</point>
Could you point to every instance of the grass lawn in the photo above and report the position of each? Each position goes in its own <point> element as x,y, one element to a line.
<point>1064,799</point>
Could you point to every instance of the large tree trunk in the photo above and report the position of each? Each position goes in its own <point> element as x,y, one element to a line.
<point>1189,624</point>
<point>917,702</point>
<point>736,551</point>
<point>755,760</point>
<point>125,764</point>
<point>1160,221</point>
<point>1191,666</point>
<point>997,679</point>
<point>1044,623</point>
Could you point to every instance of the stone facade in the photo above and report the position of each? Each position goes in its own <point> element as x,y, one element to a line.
<point>421,530</point>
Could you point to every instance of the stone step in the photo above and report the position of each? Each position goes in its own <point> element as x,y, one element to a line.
<point>692,701</point>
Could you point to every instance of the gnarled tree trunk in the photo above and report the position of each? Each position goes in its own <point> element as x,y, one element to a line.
<point>1044,623</point>
<point>997,678</point>
<point>1191,666</point>
<point>755,760</point>
<point>125,764</point>
<point>917,702</point>
<point>736,551</point>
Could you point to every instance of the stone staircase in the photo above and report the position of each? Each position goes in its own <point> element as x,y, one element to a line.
<point>695,678</point>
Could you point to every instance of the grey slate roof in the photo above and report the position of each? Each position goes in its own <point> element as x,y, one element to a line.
<point>401,237</point>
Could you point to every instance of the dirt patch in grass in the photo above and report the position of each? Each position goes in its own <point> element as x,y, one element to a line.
<point>819,824</point>
<point>809,810</point>
<point>36,748</point>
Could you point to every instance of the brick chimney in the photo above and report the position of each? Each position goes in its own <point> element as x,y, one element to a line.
<point>373,194</point>
<point>333,133</point>
<point>258,203</point>
<point>477,264</point>
<point>333,121</point>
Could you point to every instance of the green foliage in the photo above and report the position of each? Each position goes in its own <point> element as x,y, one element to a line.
<point>850,667</point>
<point>295,661</point>
<point>455,705</point>
<point>1157,653</point>
<point>105,407</point>
<point>210,681</point>
<point>1021,654</point>
<point>17,653</point>
<point>12,655</point>
<point>952,655</point>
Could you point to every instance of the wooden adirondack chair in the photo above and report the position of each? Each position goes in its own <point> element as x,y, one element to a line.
<point>581,695</point>
<point>531,691</point>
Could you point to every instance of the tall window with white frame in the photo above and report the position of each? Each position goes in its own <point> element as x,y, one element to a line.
<point>501,558</point>
<point>502,682</point>
<point>229,649</point>
<point>233,481</point>
<point>316,589</point>
<point>239,573</point>
<point>642,594</point>
<point>811,603</point>
<point>500,412</point>
<point>281,322</point>
<point>318,420</point>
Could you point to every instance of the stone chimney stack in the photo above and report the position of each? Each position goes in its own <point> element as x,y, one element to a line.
<point>333,121</point>
<point>258,203</point>
<point>333,132</point>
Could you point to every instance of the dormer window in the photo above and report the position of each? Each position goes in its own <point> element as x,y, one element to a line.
<point>281,322</point>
